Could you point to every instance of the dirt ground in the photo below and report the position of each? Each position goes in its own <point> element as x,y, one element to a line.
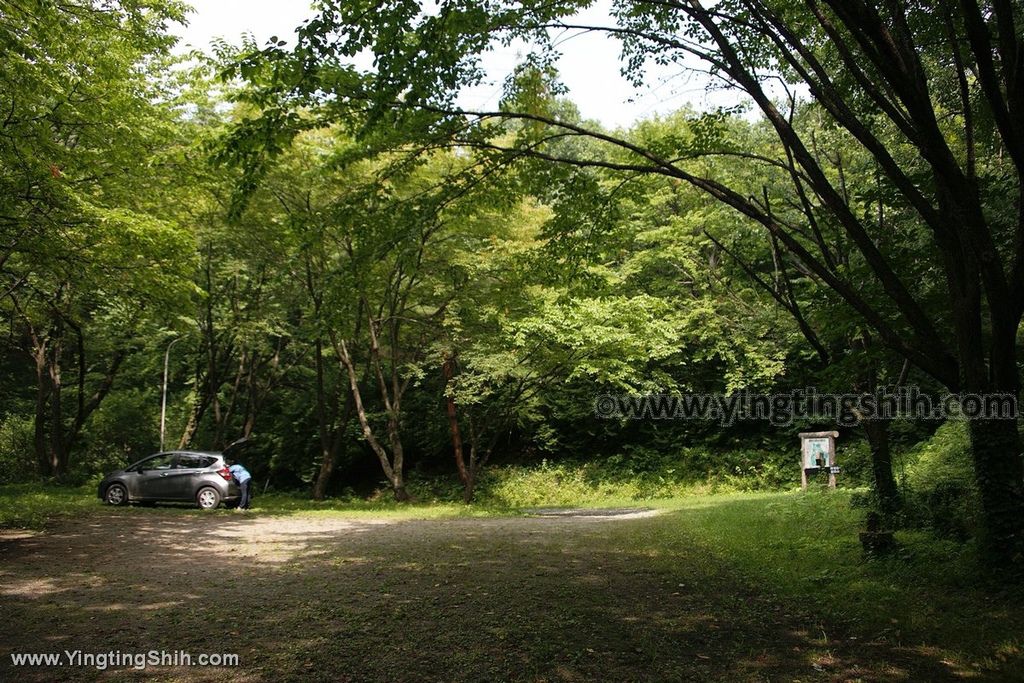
<point>318,598</point>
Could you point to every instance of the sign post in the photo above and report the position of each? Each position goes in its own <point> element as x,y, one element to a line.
<point>817,454</point>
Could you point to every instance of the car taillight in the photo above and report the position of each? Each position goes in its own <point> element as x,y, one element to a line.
<point>225,472</point>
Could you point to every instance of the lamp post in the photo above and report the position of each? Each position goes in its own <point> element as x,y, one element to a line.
<point>163,401</point>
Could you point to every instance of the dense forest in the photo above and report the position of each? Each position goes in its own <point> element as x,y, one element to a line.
<point>382,289</point>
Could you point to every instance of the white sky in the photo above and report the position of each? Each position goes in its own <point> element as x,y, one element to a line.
<point>589,66</point>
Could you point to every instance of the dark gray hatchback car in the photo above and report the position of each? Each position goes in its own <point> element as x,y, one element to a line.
<point>182,476</point>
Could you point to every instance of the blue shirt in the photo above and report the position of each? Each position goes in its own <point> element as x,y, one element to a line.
<point>239,473</point>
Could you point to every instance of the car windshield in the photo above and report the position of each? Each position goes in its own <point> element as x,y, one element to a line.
<point>159,462</point>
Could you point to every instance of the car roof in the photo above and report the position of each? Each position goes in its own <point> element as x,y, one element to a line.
<point>215,454</point>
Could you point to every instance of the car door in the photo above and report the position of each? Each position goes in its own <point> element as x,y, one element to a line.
<point>188,469</point>
<point>154,481</point>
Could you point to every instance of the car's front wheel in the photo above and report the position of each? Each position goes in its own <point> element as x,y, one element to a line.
<point>208,498</point>
<point>116,494</point>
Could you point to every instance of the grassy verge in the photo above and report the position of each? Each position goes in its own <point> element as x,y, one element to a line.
<point>32,506</point>
<point>803,550</point>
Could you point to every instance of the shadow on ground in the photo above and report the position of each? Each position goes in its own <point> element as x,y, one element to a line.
<point>545,598</point>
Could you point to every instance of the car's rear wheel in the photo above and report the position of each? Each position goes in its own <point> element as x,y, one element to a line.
<point>208,498</point>
<point>116,494</point>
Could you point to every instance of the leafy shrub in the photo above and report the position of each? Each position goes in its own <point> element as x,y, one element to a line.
<point>553,484</point>
<point>855,459</point>
<point>939,487</point>
<point>746,470</point>
<point>633,475</point>
<point>863,499</point>
<point>17,462</point>
<point>950,506</point>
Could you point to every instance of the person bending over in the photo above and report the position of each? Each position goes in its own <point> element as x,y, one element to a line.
<point>243,479</point>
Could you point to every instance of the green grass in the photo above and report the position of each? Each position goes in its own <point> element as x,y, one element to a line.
<point>803,549</point>
<point>32,506</point>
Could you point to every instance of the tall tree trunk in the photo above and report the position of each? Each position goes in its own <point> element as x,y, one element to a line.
<point>323,477</point>
<point>207,386</point>
<point>995,444</point>
<point>393,472</point>
<point>224,422</point>
<point>886,491</point>
<point>252,397</point>
<point>252,410</point>
<point>85,408</point>
<point>323,429</point>
<point>58,450</point>
<point>330,457</point>
<point>41,417</point>
<point>996,449</point>
<point>195,415</point>
<point>453,426</point>
<point>54,438</point>
<point>876,430</point>
<point>397,458</point>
